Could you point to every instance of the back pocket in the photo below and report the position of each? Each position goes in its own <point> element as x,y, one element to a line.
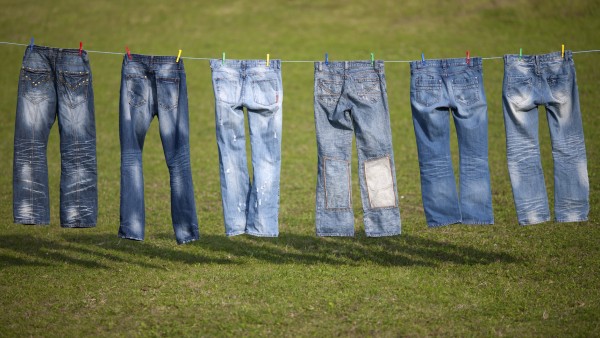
<point>427,90</point>
<point>466,90</point>
<point>168,92</point>
<point>266,92</point>
<point>519,89</point>
<point>227,90</point>
<point>36,84</point>
<point>75,87</point>
<point>560,87</point>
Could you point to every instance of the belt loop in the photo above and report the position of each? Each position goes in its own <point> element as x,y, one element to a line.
<point>319,66</point>
<point>345,65</point>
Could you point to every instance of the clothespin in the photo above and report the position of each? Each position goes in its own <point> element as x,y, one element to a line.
<point>31,44</point>
<point>128,52</point>
<point>327,59</point>
<point>372,59</point>
<point>562,54</point>
<point>520,53</point>
<point>423,58</point>
<point>468,57</point>
<point>268,60</point>
<point>223,59</point>
<point>178,56</point>
<point>80,47</point>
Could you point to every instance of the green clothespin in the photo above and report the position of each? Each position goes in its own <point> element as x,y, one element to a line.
<point>372,59</point>
<point>520,53</point>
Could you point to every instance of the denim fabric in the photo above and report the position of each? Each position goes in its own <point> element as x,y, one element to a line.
<point>55,83</point>
<point>155,86</point>
<point>249,207</point>
<point>351,98</point>
<point>547,80</point>
<point>440,89</point>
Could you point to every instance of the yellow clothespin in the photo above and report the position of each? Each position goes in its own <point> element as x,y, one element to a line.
<point>562,54</point>
<point>267,60</point>
<point>178,56</point>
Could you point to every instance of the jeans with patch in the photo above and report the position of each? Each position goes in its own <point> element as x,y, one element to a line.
<point>547,80</point>
<point>155,86</point>
<point>350,98</point>
<point>250,207</point>
<point>440,89</point>
<point>55,83</point>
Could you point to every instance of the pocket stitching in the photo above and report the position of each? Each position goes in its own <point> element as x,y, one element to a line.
<point>267,102</point>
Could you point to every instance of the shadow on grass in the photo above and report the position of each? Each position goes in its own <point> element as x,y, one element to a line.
<point>102,250</point>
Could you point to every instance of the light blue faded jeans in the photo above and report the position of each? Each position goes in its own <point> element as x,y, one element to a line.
<point>350,98</point>
<point>440,89</point>
<point>155,86</point>
<point>250,207</point>
<point>548,80</point>
<point>55,83</point>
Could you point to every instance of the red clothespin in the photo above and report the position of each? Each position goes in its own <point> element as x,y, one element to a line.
<point>128,52</point>
<point>80,47</point>
<point>468,58</point>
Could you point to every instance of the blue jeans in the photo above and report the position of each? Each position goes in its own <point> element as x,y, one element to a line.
<point>155,86</point>
<point>547,80</point>
<point>351,98</point>
<point>249,207</point>
<point>440,89</point>
<point>55,82</point>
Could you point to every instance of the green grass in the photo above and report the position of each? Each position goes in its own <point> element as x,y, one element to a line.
<point>541,280</point>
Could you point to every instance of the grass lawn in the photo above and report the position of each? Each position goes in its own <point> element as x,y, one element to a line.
<point>498,280</point>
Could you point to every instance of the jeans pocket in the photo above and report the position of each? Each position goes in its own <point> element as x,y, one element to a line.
<point>227,90</point>
<point>36,84</point>
<point>136,89</point>
<point>368,88</point>
<point>466,90</point>
<point>560,87</point>
<point>74,87</point>
<point>519,89</point>
<point>427,90</point>
<point>328,92</point>
<point>266,92</point>
<point>168,92</point>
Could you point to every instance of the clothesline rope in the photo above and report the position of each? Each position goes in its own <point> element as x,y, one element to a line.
<point>289,61</point>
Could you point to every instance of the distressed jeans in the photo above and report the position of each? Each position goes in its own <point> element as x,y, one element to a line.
<point>440,89</point>
<point>547,80</point>
<point>250,207</point>
<point>350,98</point>
<point>55,83</point>
<point>155,86</point>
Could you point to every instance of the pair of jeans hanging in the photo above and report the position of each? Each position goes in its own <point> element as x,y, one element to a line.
<point>250,207</point>
<point>440,89</point>
<point>155,86</point>
<point>548,80</point>
<point>55,83</point>
<point>350,98</point>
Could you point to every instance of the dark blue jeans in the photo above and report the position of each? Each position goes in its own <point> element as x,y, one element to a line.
<point>55,83</point>
<point>155,86</point>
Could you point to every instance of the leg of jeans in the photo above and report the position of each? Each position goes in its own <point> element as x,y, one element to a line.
<point>36,111</point>
<point>233,168</point>
<point>376,168</point>
<point>265,139</point>
<point>78,181</point>
<point>524,164</point>
<point>438,186</point>
<point>571,185</point>
<point>134,120</point>
<point>174,132</point>
<point>470,120</point>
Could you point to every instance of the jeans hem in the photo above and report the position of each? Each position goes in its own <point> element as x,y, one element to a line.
<point>478,222</point>
<point>130,238</point>
<point>570,220</point>
<point>535,221</point>
<point>384,234</point>
<point>258,234</point>
<point>235,233</point>
<point>72,226</point>
<point>335,234</point>
<point>30,221</point>
<point>187,240</point>
<point>437,225</point>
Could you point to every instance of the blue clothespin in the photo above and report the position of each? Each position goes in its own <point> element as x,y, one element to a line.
<point>372,59</point>
<point>327,59</point>
<point>423,58</point>
<point>31,45</point>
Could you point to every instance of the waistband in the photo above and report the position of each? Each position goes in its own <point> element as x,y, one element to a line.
<point>348,65</point>
<point>446,63</point>
<point>550,57</point>
<point>55,51</point>
<point>244,64</point>
<point>150,59</point>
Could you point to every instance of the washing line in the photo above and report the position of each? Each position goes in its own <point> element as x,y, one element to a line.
<point>288,61</point>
